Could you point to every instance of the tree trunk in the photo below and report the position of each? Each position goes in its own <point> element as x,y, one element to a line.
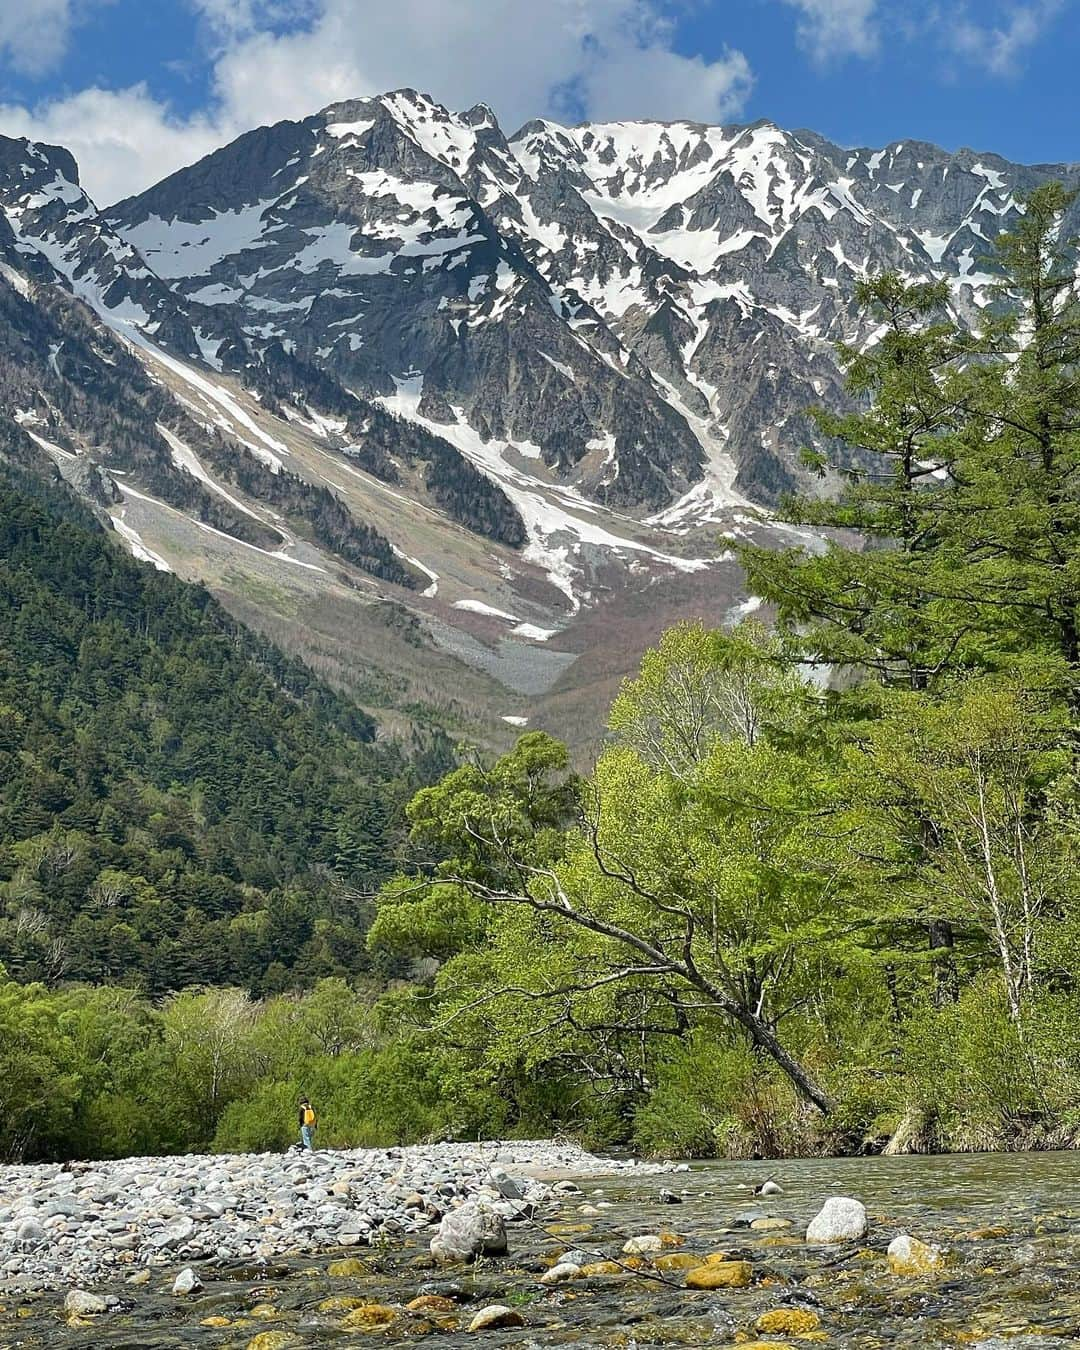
<point>942,941</point>
<point>765,1039</point>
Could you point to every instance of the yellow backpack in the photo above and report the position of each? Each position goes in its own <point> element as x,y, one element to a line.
<point>309,1116</point>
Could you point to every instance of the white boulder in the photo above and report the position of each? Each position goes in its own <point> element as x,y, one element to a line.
<point>840,1219</point>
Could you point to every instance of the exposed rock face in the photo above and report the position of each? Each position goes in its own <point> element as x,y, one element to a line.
<point>647,309</point>
<point>635,299</point>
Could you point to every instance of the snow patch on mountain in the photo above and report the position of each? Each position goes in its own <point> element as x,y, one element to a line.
<point>183,248</point>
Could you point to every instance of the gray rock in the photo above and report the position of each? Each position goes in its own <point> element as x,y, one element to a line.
<point>840,1219</point>
<point>68,1209</point>
<point>81,1303</point>
<point>466,1233</point>
<point>510,1188</point>
<point>560,1273</point>
<point>187,1282</point>
<point>174,1234</point>
<point>494,1316</point>
<point>30,1233</point>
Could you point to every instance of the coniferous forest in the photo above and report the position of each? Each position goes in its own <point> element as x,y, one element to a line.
<point>817,894</point>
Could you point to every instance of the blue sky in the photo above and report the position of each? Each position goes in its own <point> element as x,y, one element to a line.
<point>138,87</point>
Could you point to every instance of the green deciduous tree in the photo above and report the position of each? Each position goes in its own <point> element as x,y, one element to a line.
<point>684,888</point>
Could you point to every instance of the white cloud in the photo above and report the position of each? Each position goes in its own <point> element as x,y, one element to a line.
<point>830,30</point>
<point>122,139</point>
<point>999,45</point>
<point>34,33</point>
<point>521,56</point>
<point>515,57</point>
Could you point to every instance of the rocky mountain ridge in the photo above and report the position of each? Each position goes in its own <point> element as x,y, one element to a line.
<point>394,383</point>
<point>650,305</point>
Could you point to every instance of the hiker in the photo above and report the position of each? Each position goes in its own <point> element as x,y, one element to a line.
<point>308,1123</point>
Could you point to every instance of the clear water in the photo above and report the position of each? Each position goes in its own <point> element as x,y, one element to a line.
<point>1010,1222</point>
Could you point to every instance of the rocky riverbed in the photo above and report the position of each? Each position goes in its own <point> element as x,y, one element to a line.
<point>87,1223</point>
<point>502,1246</point>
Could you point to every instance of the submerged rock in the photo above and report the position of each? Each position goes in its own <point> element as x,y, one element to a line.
<point>348,1268</point>
<point>273,1340</point>
<point>678,1261</point>
<point>909,1256</point>
<point>370,1317</point>
<point>496,1315</point>
<point>431,1303</point>
<point>787,1321</point>
<point>720,1275</point>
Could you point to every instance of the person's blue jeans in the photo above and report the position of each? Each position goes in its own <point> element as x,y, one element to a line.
<point>305,1137</point>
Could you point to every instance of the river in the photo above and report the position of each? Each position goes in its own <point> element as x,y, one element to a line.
<point>1010,1225</point>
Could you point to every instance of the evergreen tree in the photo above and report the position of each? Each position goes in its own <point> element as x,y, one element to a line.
<point>965,503</point>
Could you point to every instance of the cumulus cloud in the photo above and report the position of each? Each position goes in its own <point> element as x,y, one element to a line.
<point>122,139</point>
<point>520,57</point>
<point>275,59</point>
<point>830,30</point>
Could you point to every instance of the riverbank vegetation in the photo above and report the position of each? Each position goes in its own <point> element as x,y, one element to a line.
<point>817,894</point>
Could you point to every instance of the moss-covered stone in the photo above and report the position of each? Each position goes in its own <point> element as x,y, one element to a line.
<point>273,1340</point>
<point>678,1261</point>
<point>431,1303</point>
<point>349,1268</point>
<point>720,1275</point>
<point>909,1256</point>
<point>370,1317</point>
<point>341,1303</point>
<point>602,1268</point>
<point>788,1322</point>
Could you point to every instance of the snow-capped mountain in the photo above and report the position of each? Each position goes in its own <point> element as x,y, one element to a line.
<point>518,386</point>
<point>651,306</point>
